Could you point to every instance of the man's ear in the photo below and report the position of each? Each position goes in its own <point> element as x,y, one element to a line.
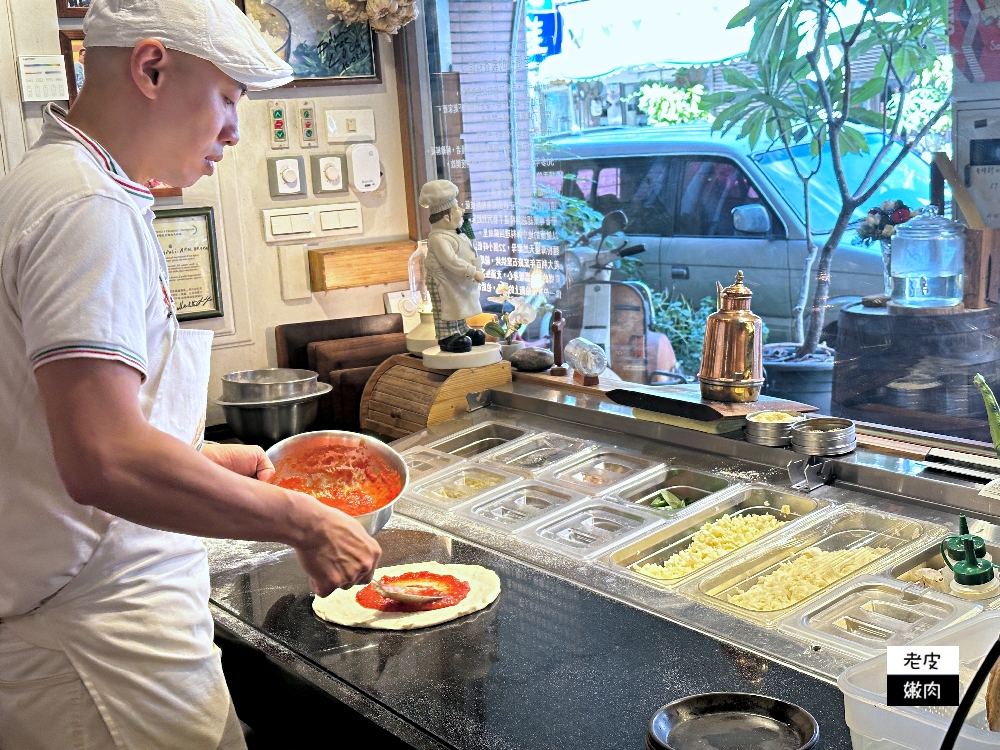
<point>149,60</point>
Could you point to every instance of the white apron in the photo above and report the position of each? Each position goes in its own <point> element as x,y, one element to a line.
<point>135,622</point>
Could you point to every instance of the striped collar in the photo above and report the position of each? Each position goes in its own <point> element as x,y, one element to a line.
<point>139,193</point>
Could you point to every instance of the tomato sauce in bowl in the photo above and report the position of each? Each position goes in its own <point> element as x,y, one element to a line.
<point>350,478</point>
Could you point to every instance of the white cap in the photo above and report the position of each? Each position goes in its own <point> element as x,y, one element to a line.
<point>214,30</point>
<point>438,195</point>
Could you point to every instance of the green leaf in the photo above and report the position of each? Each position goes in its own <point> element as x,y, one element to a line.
<point>867,90</point>
<point>742,18</point>
<point>866,117</point>
<point>735,78</point>
<point>494,329</point>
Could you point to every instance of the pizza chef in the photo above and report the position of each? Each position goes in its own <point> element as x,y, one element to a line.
<point>105,633</point>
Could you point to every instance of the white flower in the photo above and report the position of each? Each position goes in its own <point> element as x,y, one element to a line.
<point>872,219</point>
<point>522,314</point>
<point>888,205</point>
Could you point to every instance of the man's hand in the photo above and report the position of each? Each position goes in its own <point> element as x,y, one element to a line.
<point>340,555</point>
<point>245,460</point>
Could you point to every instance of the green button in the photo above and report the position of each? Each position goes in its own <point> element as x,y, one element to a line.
<point>279,135</point>
<point>309,133</point>
<point>307,113</point>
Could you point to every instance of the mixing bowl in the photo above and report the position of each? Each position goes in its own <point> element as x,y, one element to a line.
<point>268,384</point>
<point>376,519</point>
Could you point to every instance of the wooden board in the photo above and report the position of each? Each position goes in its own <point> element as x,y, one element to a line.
<point>359,265</point>
<point>609,381</point>
<point>686,401</point>
<point>982,268</point>
<point>403,396</point>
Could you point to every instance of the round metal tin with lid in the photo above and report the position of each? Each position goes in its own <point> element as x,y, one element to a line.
<point>771,428</point>
<point>824,436</point>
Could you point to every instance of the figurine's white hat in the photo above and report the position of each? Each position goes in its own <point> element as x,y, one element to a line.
<point>439,195</point>
<point>214,30</point>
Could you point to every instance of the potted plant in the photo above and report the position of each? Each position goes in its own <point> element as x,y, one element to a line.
<point>507,327</point>
<point>806,92</point>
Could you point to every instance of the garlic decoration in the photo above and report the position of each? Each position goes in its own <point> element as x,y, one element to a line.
<point>385,16</point>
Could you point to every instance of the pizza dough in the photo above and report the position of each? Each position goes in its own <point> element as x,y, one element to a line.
<point>993,699</point>
<point>341,607</point>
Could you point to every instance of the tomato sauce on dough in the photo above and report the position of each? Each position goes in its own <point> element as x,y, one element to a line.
<point>354,479</point>
<point>418,582</point>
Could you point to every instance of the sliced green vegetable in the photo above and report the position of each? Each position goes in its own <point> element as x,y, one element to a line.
<point>666,499</point>
<point>992,410</point>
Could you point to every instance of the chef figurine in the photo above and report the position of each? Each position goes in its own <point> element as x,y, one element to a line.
<point>452,270</point>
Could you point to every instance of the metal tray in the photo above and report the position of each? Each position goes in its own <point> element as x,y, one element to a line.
<point>516,507</point>
<point>930,557</point>
<point>873,613</point>
<point>602,471</point>
<point>665,542</point>
<point>845,528</point>
<point>537,453</point>
<point>479,439</point>
<point>588,528</point>
<point>423,462</point>
<point>687,484</point>
<point>463,483</point>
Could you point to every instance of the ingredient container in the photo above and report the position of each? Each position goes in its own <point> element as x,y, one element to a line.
<point>771,428</point>
<point>768,583</point>
<point>479,439</point>
<point>876,726</point>
<point>671,490</point>
<point>677,552</point>
<point>928,262</point>
<point>268,384</point>
<point>455,486</point>
<point>824,436</point>
<point>872,613</point>
<point>918,568</point>
<point>585,530</point>
<point>517,506</point>
<point>601,472</point>
<point>536,453</point>
<point>426,461</point>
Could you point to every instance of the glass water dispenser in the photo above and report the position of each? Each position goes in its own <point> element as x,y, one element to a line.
<point>928,260</point>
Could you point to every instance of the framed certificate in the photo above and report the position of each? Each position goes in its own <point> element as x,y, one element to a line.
<point>187,237</point>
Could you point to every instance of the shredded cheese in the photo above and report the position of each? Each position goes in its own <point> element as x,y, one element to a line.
<point>710,542</point>
<point>811,570</point>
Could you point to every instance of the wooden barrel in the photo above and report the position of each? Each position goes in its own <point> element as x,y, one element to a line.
<point>916,370</point>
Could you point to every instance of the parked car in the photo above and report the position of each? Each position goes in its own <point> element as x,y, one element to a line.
<point>705,205</point>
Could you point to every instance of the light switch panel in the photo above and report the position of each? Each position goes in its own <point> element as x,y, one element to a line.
<point>286,175</point>
<point>302,223</point>
<point>277,115</point>
<point>308,134</point>
<point>329,173</point>
<point>350,125</point>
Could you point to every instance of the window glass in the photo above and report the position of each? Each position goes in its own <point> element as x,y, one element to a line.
<point>710,190</point>
<point>639,187</point>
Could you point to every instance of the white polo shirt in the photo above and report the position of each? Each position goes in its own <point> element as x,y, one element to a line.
<point>81,275</point>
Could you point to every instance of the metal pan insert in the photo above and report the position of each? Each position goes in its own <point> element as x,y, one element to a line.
<point>732,721</point>
<point>479,439</point>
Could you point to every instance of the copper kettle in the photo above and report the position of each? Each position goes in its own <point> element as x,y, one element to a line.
<point>731,361</point>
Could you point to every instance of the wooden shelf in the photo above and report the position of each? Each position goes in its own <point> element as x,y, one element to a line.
<point>359,265</point>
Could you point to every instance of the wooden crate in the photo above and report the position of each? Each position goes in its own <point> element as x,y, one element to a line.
<point>359,265</point>
<point>402,396</point>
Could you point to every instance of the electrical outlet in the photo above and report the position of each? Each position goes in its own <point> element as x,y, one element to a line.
<point>308,135</point>
<point>350,125</point>
<point>278,115</point>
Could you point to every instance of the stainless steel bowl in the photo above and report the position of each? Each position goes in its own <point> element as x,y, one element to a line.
<point>824,436</point>
<point>375,520</point>
<point>268,384</point>
<point>264,423</point>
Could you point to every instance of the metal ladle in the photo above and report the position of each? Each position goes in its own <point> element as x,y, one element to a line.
<point>401,594</point>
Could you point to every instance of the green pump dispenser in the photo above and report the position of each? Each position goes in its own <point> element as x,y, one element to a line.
<point>956,544</point>
<point>973,570</point>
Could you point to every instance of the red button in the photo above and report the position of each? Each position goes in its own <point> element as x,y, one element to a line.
<point>307,123</point>
<point>278,124</point>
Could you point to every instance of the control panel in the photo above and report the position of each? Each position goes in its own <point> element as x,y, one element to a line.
<point>312,222</point>
<point>308,136</point>
<point>286,175</point>
<point>279,124</point>
<point>329,173</point>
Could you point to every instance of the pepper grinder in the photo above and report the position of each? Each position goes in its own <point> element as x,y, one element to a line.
<point>556,334</point>
<point>732,367</point>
